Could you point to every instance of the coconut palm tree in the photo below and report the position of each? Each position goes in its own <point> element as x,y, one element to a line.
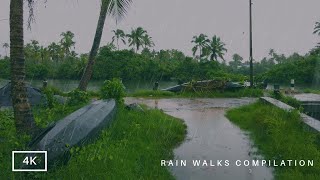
<point>216,49</point>
<point>5,46</point>
<point>117,9</point>
<point>22,111</point>
<point>44,53</point>
<point>67,42</point>
<point>55,51</point>
<point>200,42</point>
<point>317,31</point>
<point>119,35</point>
<point>136,38</point>
<point>147,41</point>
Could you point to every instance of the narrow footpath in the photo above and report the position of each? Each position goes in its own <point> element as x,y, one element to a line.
<point>211,136</point>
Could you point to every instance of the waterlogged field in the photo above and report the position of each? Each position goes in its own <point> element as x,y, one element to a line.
<point>280,135</point>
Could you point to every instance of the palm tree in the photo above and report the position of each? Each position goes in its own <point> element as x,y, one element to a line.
<point>44,53</point>
<point>35,48</point>
<point>6,46</point>
<point>54,51</point>
<point>147,41</point>
<point>110,46</point>
<point>215,49</point>
<point>24,121</point>
<point>317,31</point>
<point>115,8</point>
<point>119,35</point>
<point>136,38</point>
<point>200,42</point>
<point>317,28</point>
<point>67,42</point>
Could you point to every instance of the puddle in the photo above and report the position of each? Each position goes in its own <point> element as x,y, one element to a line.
<point>211,136</point>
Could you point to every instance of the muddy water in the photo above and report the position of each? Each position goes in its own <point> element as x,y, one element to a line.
<point>211,136</point>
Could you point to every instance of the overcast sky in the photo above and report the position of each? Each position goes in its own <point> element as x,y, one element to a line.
<point>284,25</point>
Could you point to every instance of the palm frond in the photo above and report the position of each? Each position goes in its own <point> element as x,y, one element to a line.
<point>31,14</point>
<point>317,28</point>
<point>118,8</point>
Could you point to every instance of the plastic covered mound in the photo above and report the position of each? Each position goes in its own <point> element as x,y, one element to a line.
<point>206,85</point>
<point>35,96</point>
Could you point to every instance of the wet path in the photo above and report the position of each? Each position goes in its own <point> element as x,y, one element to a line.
<point>211,136</point>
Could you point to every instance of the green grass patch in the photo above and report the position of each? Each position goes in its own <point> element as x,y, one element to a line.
<point>10,141</point>
<point>314,91</point>
<point>226,94</point>
<point>152,94</point>
<point>212,94</point>
<point>288,100</point>
<point>131,148</point>
<point>280,135</point>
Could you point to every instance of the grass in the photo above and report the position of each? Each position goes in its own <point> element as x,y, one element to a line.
<point>315,91</point>
<point>131,148</point>
<point>280,135</point>
<point>10,141</point>
<point>288,100</point>
<point>152,94</point>
<point>215,94</point>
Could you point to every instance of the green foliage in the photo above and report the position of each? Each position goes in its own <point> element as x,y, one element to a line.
<point>38,71</point>
<point>113,89</point>
<point>309,90</point>
<point>287,100</point>
<point>49,94</point>
<point>77,97</point>
<point>213,94</point>
<point>226,94</point>
<point>136,142</point>
<point>130,149</point>
<point>9,141</point>
<point>280,135</point>
<point>201,42</point>
<point>5,68</point>
<point>46,115</point>
<point>58,61</point>
<point>152,94</point>
<point>304,70</point>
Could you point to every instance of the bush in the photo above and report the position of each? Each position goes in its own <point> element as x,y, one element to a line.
<point>152,94</point>
<point>49,94</point>
<point>288,100</point>
<point>280,135</point>
<point>113,90</point>
<point>78,97</point>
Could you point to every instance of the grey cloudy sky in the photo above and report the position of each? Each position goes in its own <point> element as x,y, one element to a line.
<point>284,25</point>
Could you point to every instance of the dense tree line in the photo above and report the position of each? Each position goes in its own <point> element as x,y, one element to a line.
<point>124,64</point>
<point>64,63</point>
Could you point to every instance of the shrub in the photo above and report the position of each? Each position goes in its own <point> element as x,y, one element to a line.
<point>113,89</point>
<point>49,94</point>
<point>288,100</point>
<point>77,97</point>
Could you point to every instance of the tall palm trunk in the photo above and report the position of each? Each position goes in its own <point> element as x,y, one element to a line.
<point>95,47</point>
<point>22,111</point>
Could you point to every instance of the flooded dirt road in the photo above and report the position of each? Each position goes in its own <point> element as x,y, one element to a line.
<point>211,136</point>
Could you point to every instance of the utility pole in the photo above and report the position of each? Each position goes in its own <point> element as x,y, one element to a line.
<point>251,58</point>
